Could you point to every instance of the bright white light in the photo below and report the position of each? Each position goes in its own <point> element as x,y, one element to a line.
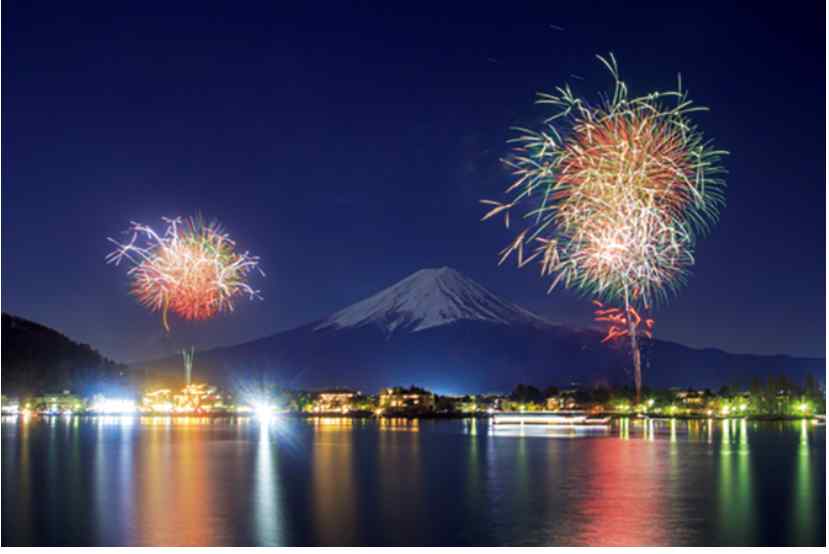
<point>263,411</point>
<point>11,409</point>
<point>103,405</point>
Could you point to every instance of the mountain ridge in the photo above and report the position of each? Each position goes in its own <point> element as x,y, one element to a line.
<point>439,328</point>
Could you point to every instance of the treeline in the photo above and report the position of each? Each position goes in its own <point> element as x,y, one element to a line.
<point>768,392</point>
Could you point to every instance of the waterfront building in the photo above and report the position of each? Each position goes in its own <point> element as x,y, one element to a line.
<point>340,401</point>
<point>193,398</point>
<point>159,401</point>
<point>9,406</point>
<point>453,404</point>
<point>401,400</point>
<point>199,398</point>
<point>60,403</point>
<point>691,398</point>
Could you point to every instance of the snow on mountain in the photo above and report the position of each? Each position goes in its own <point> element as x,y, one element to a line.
<point>430,298</point>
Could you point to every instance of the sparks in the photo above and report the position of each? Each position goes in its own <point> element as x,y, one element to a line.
<point>618,321</point>
<point>614,195</point>
<point>192,269</point>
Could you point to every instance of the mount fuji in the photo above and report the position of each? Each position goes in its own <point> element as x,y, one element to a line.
<point>430,298</point>
<point>439,329</point>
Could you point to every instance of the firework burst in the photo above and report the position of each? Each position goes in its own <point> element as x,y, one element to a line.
<point>613,195</point>
<point>192,269</point>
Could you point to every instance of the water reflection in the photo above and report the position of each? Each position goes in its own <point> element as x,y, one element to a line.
<point>625,484</point>
<point>341,481</point>
<point>335,495</point>
<point>267,508</point>
<point>624,428</point>
<point>803,509</point>
<point>400,481</point>
<point>736,513</point>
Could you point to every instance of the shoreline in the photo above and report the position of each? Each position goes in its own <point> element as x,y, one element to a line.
<point>425,416</point>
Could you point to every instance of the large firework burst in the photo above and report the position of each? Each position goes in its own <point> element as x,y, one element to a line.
<point>192,269</point>
<point>614,194</point>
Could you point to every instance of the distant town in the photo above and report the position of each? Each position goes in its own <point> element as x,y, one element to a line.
<point>773,398</point>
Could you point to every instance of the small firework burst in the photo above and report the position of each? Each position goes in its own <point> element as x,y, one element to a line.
<point>192,269</point>
<point>614,195</point>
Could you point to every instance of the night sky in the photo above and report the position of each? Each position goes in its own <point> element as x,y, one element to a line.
<point>350,148</point>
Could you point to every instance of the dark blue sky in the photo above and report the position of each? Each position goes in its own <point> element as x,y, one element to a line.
<point>349,148</point>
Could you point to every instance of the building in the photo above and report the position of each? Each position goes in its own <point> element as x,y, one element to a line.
<point>335,401</point>
<point>194,398</point>
<point>9,405</point>
<point>61,403</point>
<point>413,400</point>
<point>159,401</point>
<point>553,403</point>
<point>691,398</point>
<point>468,404</point>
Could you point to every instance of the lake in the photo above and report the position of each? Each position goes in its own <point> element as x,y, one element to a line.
<point>340,481</point>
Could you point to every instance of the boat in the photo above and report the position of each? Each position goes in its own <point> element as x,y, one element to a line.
<point>555,419</point>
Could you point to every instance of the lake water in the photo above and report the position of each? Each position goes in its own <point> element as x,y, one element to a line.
<point>157,481</point>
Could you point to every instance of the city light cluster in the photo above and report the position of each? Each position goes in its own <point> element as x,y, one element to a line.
<point>192,399</point>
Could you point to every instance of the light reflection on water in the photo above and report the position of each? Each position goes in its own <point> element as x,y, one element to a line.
<point>339,481</point>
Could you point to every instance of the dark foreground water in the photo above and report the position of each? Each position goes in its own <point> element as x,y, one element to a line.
<point>156,481</point>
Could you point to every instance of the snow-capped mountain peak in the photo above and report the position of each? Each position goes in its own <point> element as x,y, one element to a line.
<point>430,298</point>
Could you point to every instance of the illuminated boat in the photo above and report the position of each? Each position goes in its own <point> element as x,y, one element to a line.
<point>555,419</point>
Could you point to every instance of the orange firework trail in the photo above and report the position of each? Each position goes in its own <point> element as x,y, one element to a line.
<point>619,321</point>
<point>192,269</point>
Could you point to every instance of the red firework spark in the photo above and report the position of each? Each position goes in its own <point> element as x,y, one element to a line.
<point>617,319</point>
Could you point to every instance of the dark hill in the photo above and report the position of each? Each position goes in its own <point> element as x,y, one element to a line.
<point>36,358</point>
